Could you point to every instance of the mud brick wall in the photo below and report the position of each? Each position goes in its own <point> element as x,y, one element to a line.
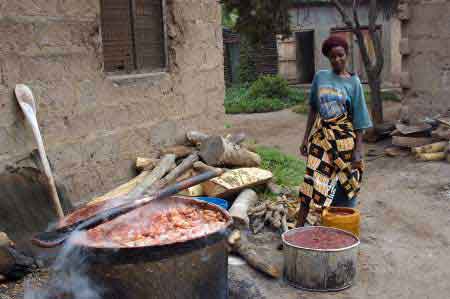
<point>94,125</point>
<point>425,49</point>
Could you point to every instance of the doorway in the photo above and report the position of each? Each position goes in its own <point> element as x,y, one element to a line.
<point>305,56</point>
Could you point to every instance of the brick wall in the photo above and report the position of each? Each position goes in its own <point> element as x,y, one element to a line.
<point>94,126</point>
<point>425,49</point>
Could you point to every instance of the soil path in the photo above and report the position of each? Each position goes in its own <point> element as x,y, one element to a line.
<point>405,228</point>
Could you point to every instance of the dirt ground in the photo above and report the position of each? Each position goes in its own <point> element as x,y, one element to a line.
<point>405,235</point>
<point>405,208</point>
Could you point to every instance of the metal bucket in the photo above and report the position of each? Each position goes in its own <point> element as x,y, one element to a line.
<point>193,269</point>
<point>320,269</point>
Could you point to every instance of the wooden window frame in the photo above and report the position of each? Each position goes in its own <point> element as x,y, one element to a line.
<point>139,72</point>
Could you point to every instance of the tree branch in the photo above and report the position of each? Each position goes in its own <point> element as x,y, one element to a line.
<point>345,17</point>
<point>360,39</point>
<point>373,16</point>
<point>355,14</point>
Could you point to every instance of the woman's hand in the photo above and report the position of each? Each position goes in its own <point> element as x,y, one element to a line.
<point>357,159</point>
<point>304,148</point>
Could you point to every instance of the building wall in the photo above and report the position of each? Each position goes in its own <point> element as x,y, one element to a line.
<point>94,125</point>
<point>322,18</point>
<point>426,58</point>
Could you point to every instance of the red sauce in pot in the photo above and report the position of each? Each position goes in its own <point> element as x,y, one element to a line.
<point>320,238</point>
<point>147,227</point>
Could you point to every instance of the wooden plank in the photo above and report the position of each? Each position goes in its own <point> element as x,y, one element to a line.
<point>410,142</point>
<point>233,181</point>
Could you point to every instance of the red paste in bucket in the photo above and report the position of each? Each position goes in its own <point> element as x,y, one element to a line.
<point>320,238</point>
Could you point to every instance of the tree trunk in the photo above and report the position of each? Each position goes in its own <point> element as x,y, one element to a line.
<point>376,103</point>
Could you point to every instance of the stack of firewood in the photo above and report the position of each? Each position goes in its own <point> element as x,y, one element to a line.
<point>197,153</point>
<point>428,141</point>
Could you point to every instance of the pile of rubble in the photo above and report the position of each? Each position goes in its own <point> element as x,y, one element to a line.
<point>427,141</point>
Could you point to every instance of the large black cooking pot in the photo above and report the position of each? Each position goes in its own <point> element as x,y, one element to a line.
<point>195,268</point>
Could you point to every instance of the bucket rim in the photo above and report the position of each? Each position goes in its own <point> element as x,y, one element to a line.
<point>287,243</point>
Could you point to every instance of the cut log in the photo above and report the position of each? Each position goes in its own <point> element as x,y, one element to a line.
<point>174,174</point>
<point>410,142</point>
<point>160,170</point>
<point>431,148</point>
<point>196,138</point>
<point>431,156</point>
<point>146,164</point>
<point>202,167</point>
<point>236,138</point>
<point>235,180</point>
<point>180,151</point>
<point>217,151</point>
<point>250,253</point>
<point>239,209</point>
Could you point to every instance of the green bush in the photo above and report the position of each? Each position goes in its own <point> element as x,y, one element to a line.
<point>254,106</point>
<point>268,93</point>
<point>269,87</point>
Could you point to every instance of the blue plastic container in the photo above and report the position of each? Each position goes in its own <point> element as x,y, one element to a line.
<point>217,201</point>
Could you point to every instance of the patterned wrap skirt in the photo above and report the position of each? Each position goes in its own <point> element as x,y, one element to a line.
<point>330,153</point>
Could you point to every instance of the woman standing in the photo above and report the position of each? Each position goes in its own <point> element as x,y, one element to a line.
<point>333,137</point>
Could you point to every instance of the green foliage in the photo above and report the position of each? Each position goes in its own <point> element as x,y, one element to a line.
<point>258,18</point>
<point>269,87</point>
<point>269,93</point>
<point>254,106</point>
<point>247,66</point>
<point>287,170</point>
<point>229,18</point>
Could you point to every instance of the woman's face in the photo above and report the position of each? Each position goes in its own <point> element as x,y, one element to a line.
<point>338,59</point>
